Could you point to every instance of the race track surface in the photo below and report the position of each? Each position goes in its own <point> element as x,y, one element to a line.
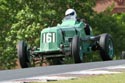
<point>49,70</point>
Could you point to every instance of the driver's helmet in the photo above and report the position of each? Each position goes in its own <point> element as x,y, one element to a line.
<point>71,13</point>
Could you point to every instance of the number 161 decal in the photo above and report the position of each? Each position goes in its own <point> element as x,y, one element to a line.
<point>49,37</point>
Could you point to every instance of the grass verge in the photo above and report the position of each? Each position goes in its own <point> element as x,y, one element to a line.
<point>114,78</point>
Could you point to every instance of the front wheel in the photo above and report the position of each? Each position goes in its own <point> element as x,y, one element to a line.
<point>23,54</point>
<point>106,47</point>
<point>75,49</point>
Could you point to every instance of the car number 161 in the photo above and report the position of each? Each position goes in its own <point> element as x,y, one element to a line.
<point>49,37</point>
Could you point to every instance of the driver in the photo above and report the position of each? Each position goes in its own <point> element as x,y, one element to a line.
<point>71,13</point>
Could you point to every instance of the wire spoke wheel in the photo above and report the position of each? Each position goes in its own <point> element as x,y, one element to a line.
<point>106,47</point>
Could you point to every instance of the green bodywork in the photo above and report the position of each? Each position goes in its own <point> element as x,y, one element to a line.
<point>52,38</point>
<point>73,38</point>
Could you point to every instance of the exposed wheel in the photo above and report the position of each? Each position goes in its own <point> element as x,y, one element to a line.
<point>106,47</point>
<point>22,54</point>
<point>75,49</point>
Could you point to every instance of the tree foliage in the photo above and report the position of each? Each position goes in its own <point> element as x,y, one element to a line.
<point>24,19</point>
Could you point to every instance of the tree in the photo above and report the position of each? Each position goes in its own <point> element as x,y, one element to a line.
<point>24,19</point>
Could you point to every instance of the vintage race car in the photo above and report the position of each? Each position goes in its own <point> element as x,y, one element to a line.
<point>73,38</point>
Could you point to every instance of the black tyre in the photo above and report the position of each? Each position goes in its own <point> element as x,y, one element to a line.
<point>22,54</point>
<point>75,49</point>
<point>106,47</point>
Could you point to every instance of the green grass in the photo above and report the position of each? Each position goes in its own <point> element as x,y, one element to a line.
<point>114,78</point>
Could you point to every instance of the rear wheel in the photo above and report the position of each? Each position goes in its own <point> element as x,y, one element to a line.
<point>75,49</point>
<point>106,47</point>
<point>23,54</point>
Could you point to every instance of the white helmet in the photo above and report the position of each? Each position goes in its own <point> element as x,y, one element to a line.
<point>71,12</point>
